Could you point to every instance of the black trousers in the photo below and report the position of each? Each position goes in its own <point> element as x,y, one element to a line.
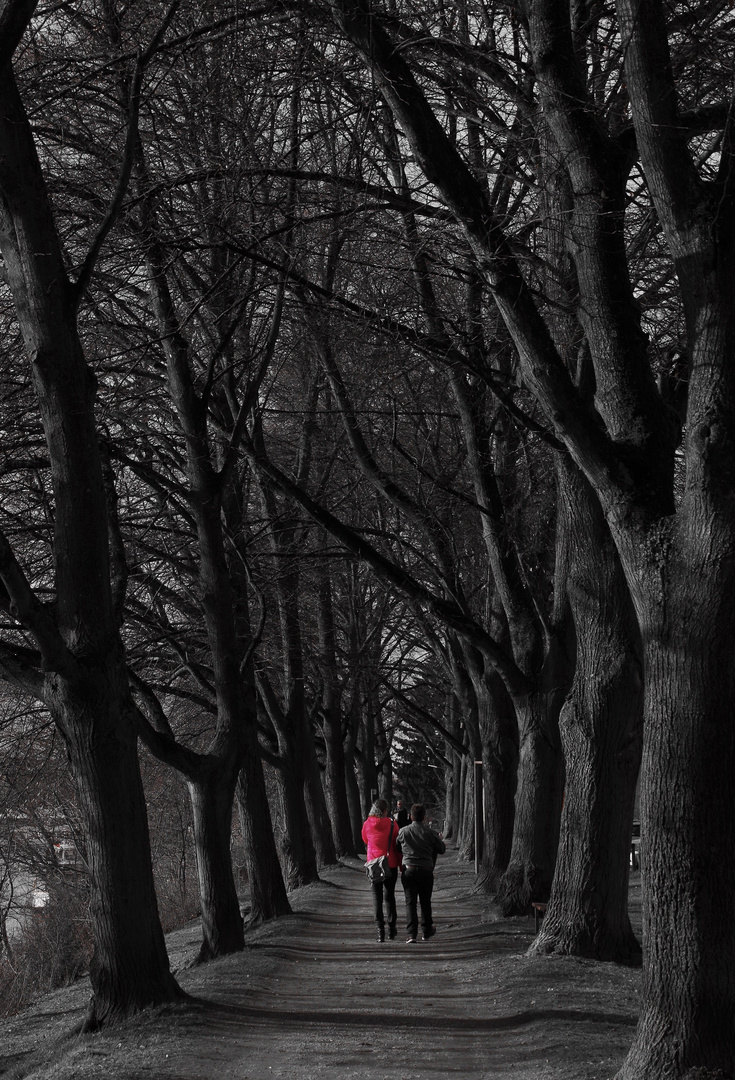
<point>418,885</point>
<point>389,887</point>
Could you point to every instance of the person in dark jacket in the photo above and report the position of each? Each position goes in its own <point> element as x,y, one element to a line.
<point>402,815</point>
<point>380,833</point>
<point>419,846</point>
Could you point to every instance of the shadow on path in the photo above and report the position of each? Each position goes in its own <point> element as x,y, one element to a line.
<point>314,996</point>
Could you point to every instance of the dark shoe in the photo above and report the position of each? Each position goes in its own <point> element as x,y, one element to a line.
<point>381,933</point>
<point>410,940</point>
<point>392,930</point>
<point>428,933</point>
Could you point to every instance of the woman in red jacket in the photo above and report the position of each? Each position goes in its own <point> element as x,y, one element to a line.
<point>379,833</point>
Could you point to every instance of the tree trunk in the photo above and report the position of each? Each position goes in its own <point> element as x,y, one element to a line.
<point>129,969</point>
<point>316,806</point>
<point>268,897</point>
<point>452,772</point>
<point>601,730</point>
<point>688,830</point>
<point>499,734</point>
<point>212,795</point>
<point>540,790</point>
<point>370,785</point>
<point>335,784</point>
<point>385,772</point>
<point>84,679</point>
<point>466,835</point>
<point>353,796</point>
<point>299,854</point>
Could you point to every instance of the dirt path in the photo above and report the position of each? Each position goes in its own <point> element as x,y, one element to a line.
<point>315,996</point>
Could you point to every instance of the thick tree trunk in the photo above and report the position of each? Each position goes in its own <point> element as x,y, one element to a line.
<point>316,806</point>
<point>469,724</point>
<point>335,784</point>
<point>353,799</point>
<point>212,795</point>
<point>688,834</point>
<point>466,835</point>
<point>299,854</point>
<point>268,897</point>
<point>540,790</point>
<point>385,772</point>
<point>306,819</point>
<point>129,969</point>
<point>367,758</point>
<point>499,734</point>
<point>601,730</point>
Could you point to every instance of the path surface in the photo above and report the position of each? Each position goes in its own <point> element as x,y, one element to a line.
<point>315,996</point>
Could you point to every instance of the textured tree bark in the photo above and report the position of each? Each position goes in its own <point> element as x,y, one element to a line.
<point>601,731</point>
<point>536,835</point>
<point>453,772</point>
<point>466,836</point>
<point>316,806</point>
<point>462,659</point>
<point>353,797</point>
<point>212,795</point>
<point>129,969</point>
<point>688,833</point>
<point>499,735</point>
<point>268,897</point>
<point>307,821</point>
<point>298,852</point>
<point>335,785</point>
<point>540,789</point>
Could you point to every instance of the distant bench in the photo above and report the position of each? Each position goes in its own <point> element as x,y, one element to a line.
<point>539,910</point>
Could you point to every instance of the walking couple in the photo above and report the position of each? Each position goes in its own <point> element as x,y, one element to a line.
<point>411,849</point>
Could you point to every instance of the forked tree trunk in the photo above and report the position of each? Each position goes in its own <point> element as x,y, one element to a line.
<point>601,731</point>
<point>129,969</point>
<point>268,897</point>
<point>335,784</point>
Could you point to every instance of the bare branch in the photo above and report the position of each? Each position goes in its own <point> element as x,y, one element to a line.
<point>25,606</point>
<point>126,167</point>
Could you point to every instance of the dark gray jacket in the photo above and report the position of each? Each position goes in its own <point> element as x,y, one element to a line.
<point>420,845</point>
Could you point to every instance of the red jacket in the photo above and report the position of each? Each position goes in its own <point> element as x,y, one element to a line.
<point>375,833</point>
